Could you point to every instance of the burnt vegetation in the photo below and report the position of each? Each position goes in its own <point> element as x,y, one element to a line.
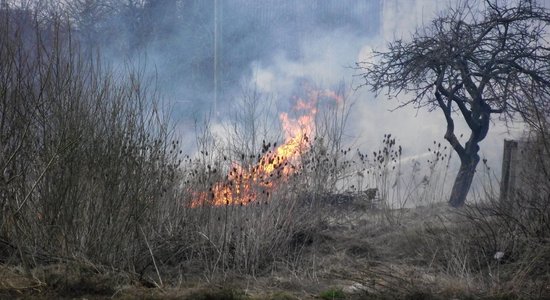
<point>97,197</point>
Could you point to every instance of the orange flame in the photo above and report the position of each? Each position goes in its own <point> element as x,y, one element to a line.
<point>244,185</point>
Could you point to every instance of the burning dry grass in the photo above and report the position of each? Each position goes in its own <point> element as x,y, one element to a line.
<point>248,183</point>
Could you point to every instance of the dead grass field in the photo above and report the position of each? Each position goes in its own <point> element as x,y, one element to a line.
<point>355,255</point>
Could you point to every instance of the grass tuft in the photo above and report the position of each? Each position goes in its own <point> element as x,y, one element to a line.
<point>225,293</point>
<point>332,294</point>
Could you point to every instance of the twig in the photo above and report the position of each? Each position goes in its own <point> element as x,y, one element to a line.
<point>152,256</point>
<point>35,184</point>
<point>43,173</point>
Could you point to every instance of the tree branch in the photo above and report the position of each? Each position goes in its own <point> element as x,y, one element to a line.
<point>449,135</point>
<point>467,114</point>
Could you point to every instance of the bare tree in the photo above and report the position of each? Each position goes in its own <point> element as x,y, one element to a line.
<point>473,62</point>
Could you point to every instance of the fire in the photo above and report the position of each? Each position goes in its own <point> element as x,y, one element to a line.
<point>244,185</point>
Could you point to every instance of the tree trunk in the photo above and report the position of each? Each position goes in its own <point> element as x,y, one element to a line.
<point>463,180</point>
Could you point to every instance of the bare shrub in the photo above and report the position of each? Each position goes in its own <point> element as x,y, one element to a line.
<point>87,157</point>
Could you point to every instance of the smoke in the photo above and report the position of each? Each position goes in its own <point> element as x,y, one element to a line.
<point>279,45</point>
<point>324,56</point>
<point>203,53</point>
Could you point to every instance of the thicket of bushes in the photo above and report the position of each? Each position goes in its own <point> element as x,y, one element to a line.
<point>87,158</point>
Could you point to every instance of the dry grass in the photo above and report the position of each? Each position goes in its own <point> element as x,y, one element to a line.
<point>365,261</point>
